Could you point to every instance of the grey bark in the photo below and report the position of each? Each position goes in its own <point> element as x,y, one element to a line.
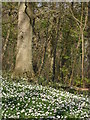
<point>24,42</point>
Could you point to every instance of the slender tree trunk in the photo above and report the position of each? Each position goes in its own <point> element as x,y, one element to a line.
<point>83,58</point>
<point>45,49</point>
<point>43,59</point>
<point>82,37</point>
<point>54,59</point>
<point>24,42</point>
<point>6,42</point>
<point>8,34</point>
<point>54,53</point>
<point>73,65</point>
<point>89,40</point>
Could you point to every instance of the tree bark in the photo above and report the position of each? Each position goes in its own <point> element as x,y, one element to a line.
<point>54,53</point>
<point>73,65</point>
<point>82,58</point>
<point>89,40</point>
<point>6,42</point>
<point>24,42</point>
<point>82,28</point>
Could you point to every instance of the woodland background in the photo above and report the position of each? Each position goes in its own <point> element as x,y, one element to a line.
<point>60,42</point>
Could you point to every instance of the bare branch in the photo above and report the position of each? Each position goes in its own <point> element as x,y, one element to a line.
<point>86,17</point>
<point>78,21</point>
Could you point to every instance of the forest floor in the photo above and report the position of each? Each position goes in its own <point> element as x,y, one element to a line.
<point>25,100</point>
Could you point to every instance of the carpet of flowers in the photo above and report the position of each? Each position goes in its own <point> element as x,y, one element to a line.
<point>23,100</point>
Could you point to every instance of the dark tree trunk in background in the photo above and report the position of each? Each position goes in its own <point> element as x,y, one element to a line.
<point>54,52</point>
<point>54,59</point>
<point>44,52</point>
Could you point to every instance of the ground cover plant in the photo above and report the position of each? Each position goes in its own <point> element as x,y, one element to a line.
<point>24,100</point>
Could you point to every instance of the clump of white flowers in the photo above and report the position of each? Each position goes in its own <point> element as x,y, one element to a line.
<point>22,100</point>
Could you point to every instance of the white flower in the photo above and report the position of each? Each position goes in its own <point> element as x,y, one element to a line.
<point>58,116</point>
<point>83,104</point>
<point>55,111</point>
<point>25,114</point>
<point>18,104</point>
<point>22,111</point>
<point>18,113</point>
<point>30,110</point>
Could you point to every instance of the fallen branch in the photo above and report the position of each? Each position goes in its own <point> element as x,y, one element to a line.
<point>80,89</point>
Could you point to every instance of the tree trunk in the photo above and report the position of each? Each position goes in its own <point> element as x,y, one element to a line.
<point>83,59</point>
<point>24,43</point>
<point>43,59</point>
<point>54,52</point>
<point>54,59</point>
<point>89,40</point>
<point>6,42</point>
<point>44,52</point>
<point>82,37</point>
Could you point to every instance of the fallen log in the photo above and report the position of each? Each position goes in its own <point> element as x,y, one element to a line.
<point>80,89</point>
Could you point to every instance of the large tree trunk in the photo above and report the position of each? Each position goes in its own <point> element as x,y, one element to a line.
<point>24,43</point>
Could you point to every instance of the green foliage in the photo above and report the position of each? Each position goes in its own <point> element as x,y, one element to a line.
<point>87,80</point>
<point>66,57</point>
<point>44,24</point>
<point>78,82</point>
<point>41,80</point>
